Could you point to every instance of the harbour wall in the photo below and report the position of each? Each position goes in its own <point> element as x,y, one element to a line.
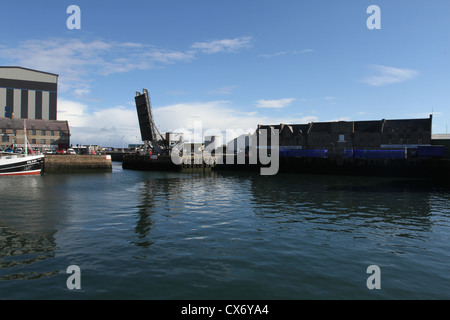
<point>163,163</point>
<point>408,168</point>
<point>117,155</point>
<point>426,168</point>
<point>77,163</point>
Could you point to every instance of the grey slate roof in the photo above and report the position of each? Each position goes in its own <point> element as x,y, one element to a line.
<point>18,124</point>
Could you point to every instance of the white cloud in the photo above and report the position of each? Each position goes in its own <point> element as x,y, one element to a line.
<point>389,75</point>
<point>116,125</point>
<point>71,59</point>
<point>280,103</point>
<point>214,116</point>
<point>224,45</point>
<point>223,90</point>
<point>436,114</point>
<point>72,111</point>
<point>77,61</point>
<point>302,51</point>
<point>107,127</point>
<point>338,119</point>
<point>283,53</point>
<point>82,91</point>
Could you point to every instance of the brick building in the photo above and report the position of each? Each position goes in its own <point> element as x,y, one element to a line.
<point>41,134</point>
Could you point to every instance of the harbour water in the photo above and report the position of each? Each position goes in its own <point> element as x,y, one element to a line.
<point>222,235</point>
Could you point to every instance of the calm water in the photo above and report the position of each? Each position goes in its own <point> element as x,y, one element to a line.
<point>144,235</point>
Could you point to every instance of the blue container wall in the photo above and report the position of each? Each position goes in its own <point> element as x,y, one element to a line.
<point>431,151</point>
<point>348,153</point>
<point>310,153</point>
<point>360,154</point>
<point>380,154</point>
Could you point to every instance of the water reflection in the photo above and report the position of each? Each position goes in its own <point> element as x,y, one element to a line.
<point>27,229</point>
<point>175,235</point>
<point>339,201</point>
<point>169,195</point>
<point>145,210</point>
<point>21,250</point>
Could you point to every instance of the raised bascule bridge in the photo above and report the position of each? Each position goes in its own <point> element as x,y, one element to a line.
<point>154,142</point>
<point>157,151</point>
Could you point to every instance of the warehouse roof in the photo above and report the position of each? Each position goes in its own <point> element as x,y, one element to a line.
<point>28,69</point>
<point>360,126</point>
<point>18,124</point>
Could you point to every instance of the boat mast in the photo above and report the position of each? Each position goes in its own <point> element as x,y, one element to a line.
<point>25,136</point>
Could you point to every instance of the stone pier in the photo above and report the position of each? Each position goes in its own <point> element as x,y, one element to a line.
<point>77,163</point>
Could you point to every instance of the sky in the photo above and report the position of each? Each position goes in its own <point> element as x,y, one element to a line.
<point>228,66</point>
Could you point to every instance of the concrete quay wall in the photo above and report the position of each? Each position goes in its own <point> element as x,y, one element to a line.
<point>163,163</point>
<point>436,169</point>
<point>77,163</point>
<point>411,168</point>
<point>427,168</point>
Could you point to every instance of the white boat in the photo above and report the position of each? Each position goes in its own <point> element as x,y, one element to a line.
<point>20,164</point>
<point>12,164</point>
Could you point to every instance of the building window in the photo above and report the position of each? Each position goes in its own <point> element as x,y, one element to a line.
<point>341,138</point>
<point>33,132</point>
<point>42,141</point>
<point>52,133</point>
<point>33,141</point>
<point>14,132</point>
<point>5,138</point>
<point>52,141</point>
<point>3,131</point>
<point>60,133</point>
<point>43,133</point>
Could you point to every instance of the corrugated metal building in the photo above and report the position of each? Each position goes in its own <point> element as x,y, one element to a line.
<point>28,94</point>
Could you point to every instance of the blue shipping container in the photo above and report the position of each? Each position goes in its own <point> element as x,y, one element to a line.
<point>431,151</point>
<point>379,154</point>
<point>310,153</point>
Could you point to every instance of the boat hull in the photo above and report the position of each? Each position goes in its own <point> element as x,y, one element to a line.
<point>31,165</point>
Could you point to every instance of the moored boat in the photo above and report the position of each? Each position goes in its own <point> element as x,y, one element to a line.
<point>19,164</point>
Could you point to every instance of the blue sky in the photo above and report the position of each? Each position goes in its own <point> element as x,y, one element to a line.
<point>233,64</point>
